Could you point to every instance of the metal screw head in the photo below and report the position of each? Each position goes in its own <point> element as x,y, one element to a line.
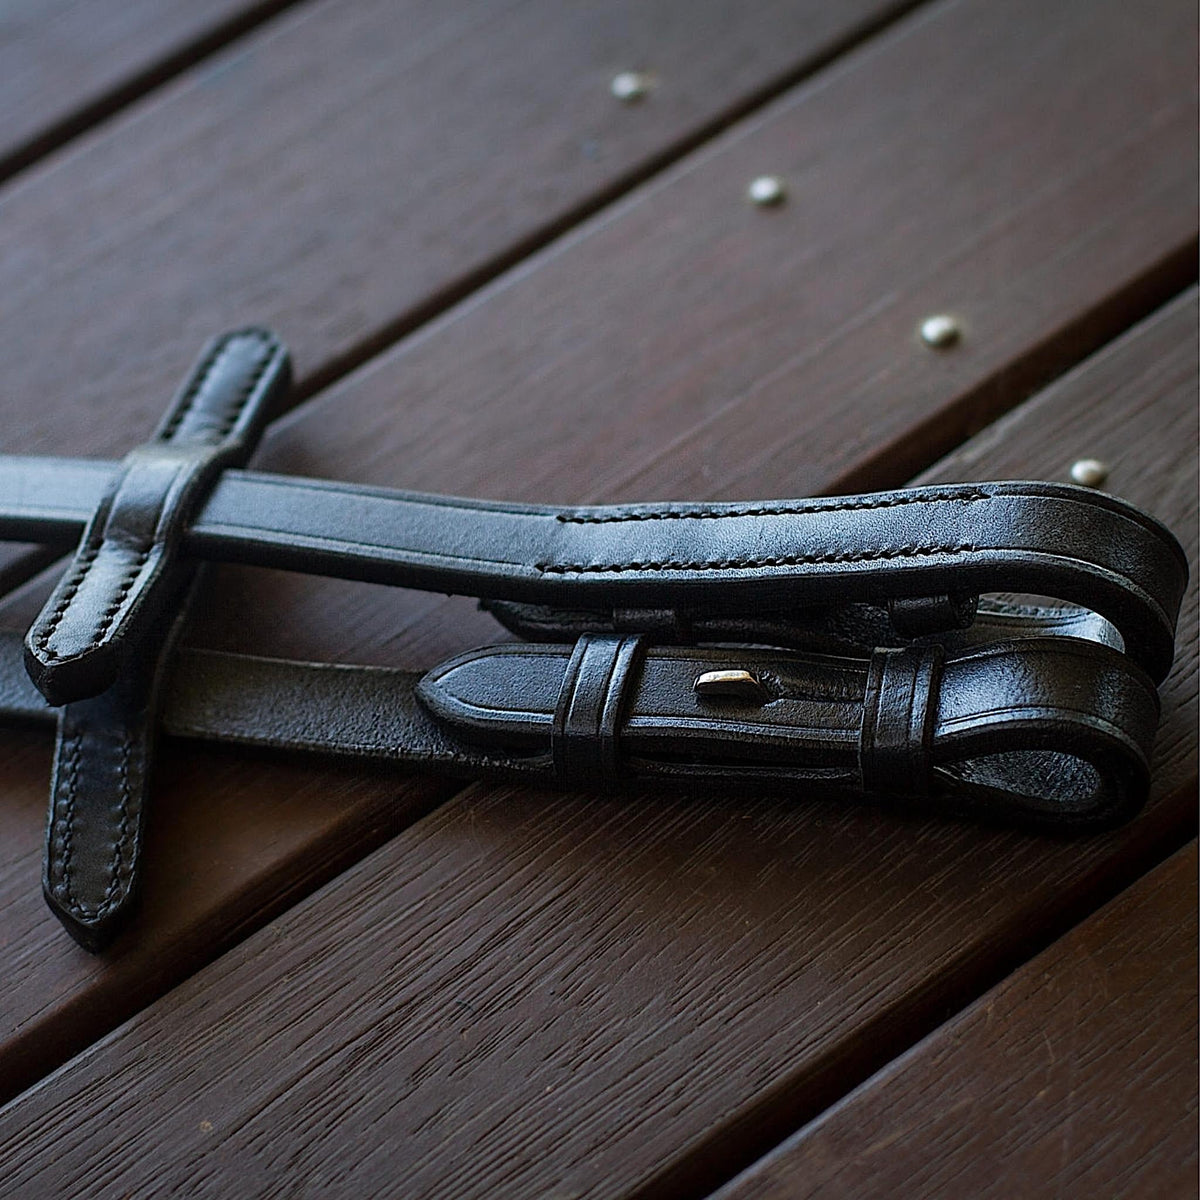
<point>629,86</point>
<point>940,331</point>
<point>766,191</point>
<point>1090,472</point>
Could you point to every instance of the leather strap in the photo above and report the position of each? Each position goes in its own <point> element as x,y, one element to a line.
<point>127,564</point>
<point>1052,733</point>
<point>833,629</point>
<point>102,641</point>
<point>899,710</point>
<point>589,711</point>
<point>103,750</point>
<point>936,545</point>
<point>929,695</point>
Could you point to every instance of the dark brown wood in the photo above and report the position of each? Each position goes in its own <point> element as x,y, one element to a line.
<point>1074,1077</point>
<point>537,389</point>
<point>597,371</point>
<point>527,994</point>
<point>66,64</point>
<point>343,172</point>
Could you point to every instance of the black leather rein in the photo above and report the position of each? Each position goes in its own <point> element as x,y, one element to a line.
<point>837,644</point>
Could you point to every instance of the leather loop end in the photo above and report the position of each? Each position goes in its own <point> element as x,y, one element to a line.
<point>126,566</point>
<point>94,933</point>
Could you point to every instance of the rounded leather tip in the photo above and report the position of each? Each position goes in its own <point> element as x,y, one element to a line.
<point>63,681</point>
<point>94,934</point>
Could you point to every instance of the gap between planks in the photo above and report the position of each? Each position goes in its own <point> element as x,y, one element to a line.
<point>1087,1057</point>
<point>57,130</point>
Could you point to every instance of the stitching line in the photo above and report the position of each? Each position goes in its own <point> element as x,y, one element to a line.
<point>67,815</point>
<point>778,510</point>
<point>110,899</point>
<point>78,572</point>
<point>204,374</point>
<point>109,614</point>
<point>131,573</point>
<point>727,564</point>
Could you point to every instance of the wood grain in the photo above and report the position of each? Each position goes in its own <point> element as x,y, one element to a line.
<point>1074,1077</point>
<point>67,64</point>
<point>344,173</point>
<point>341,173</point>
<point>527,994</point>
<point>544,382</point>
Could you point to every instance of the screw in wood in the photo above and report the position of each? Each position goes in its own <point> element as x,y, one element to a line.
<point>766,191</point>
<point>940,331</point>
<point>630,86</point>
<point>1090,472</point>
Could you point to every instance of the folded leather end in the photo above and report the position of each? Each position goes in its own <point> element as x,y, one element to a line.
<point>244,373</point>
<point>497,694</point>
<point>95,933</point>
<point>63,680</point>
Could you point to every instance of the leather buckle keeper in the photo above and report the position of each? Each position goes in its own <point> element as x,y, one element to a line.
<point>899,718</point>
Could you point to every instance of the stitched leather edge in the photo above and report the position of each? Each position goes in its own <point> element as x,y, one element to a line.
<point>88,559</point>
<point>967,496</point>
<point>729,564</point>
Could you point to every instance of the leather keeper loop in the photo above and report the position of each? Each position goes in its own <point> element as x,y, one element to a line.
<point>124,569</point>
<point>899,713</point>
<point>920,616</point>
<point>584,739</point>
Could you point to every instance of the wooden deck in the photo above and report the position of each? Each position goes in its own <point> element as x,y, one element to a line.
<point>499,280</point>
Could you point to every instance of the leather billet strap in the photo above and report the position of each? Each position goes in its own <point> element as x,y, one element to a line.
<point>1052,733</point>
<point>99,786</point>
<point>102,641</point>
<point>919,551</point>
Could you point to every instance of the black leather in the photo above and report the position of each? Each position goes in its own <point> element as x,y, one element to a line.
<point>127,564</point>
<point>872,660</point>
<point>99,785</point>
<point>1054,733</point>
<point>589,711</point>
<point>101,643</point>
<point>699,561</point>
<point>1054,728</point>
<point>900,705</point>
<point>833,629</point>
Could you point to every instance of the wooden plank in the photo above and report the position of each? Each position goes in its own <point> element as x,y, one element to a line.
<point>528,994</point>
<point>1075,1077</point>
<point>490,375</point>
<point>66,64</point>
<point>336,175</point>
<point>343,172</point>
